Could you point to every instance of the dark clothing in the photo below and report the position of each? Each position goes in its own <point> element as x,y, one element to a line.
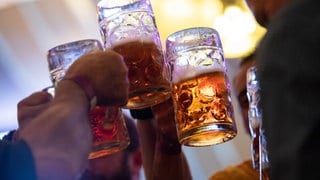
<point>9,137</point>
<point>288,60</point>
<point>16,161</point>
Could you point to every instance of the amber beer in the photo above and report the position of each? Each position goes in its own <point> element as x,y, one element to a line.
<point>148,75</point>
<point>204,115</point>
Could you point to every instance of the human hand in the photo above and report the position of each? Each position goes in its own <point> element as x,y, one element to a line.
<point>57,131</point>
<point>106,73</point>
<point>29,107</point>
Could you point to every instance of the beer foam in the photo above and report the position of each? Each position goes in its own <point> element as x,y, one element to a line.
<point>183,72</point>
<point>145,39</point>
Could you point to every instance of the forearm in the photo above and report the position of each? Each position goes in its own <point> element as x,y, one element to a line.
<point>147,140</point>
<point>162,159</point>
<point>169,160</point>
<point>173,167</point>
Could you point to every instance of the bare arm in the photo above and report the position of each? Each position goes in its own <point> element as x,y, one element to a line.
<point>147,137</point>
<point>162,155</point>
<point>169,160</point>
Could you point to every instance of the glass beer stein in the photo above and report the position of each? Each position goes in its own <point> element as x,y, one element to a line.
<point>128,27</point>
<point>108,127</point>
<point>201,91</point>
<point>259,152</point>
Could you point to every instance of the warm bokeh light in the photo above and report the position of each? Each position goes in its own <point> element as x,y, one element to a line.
<point>174,15</point>
<point>237,27</point>
<point>238,30</point>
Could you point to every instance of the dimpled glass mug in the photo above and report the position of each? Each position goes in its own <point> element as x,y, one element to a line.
<point>108,127</point>
<point>128,27</point>
<point>201,91</point>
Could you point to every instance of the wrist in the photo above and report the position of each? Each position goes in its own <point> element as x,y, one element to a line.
<point>85,85</point>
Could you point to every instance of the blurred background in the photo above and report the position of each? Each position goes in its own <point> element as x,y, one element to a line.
<point>28,28</point>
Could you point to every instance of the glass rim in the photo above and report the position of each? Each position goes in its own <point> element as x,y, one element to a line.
<point>119,3</point>
<point>54,54</point>
<point>73,43</point>
<point>192,37</point>
<point>171,37</point>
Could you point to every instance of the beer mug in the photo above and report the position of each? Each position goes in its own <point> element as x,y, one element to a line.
<point>108,127</point>
<point>259,152</point>
<point>201,91</point>
<point>128,27</point>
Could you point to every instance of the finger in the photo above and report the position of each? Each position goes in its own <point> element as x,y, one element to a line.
<point>27,113</point>
<point>32,105</point>
<point>35,99</point>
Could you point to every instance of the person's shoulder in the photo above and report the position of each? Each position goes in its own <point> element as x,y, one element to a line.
<point>9,137</point>
<point>242,171</point>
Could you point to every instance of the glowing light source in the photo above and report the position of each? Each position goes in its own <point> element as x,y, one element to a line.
<point>174,15</point>
<point>237,27</point>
